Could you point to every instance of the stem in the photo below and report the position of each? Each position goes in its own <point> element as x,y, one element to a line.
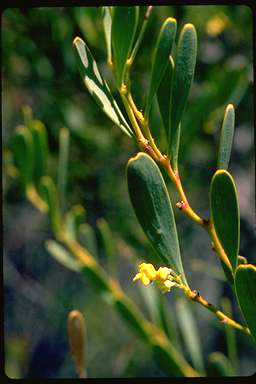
<point>133,120</point>
<point>217,245</point>
<point>140,37</point>
<point>195,296</point>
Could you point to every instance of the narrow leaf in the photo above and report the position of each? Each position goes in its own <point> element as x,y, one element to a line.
<point>183,76</point>
<point>107,25</point>
<point>124,25</point>
<point>107,242</point>
<point>48,192</point>
<point>23,150</point>
<point>152,206</point>
<point>219,365</point>
<point>190,333</point>
<point>98,87</point>
<point>87,238</point>
<point>73,220</point>
<point>160,58</point>
<point>226,138</point>
<point>225,213</point>
<point>62,255</point>
<point>40,141</point>
<point>164,94</point>
<point>63,164</point>
<point>245,283</point>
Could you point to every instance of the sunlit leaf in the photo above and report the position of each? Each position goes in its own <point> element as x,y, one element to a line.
<point>98,87</point>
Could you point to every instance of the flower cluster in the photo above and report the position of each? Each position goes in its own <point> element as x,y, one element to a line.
<point>162,276</point>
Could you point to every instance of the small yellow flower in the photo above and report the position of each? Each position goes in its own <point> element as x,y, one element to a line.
<point>147,273</point>
<point>163,273</point>
<point>162,276</point>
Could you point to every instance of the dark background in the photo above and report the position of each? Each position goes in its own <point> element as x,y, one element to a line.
<point>39,69</point>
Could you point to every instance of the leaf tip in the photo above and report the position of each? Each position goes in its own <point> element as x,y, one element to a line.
<point>230,107</point>
<point>77,40</point>
<point>189,26</point>
<point>136,157</point>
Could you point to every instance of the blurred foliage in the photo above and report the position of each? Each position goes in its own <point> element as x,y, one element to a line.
<point>39,69</point>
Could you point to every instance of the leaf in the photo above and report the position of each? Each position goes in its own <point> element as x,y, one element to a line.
<point>226,138</point>
<point>63,164</point>
<point>73,220</point>
<point>190,333</point>
<point>62,255</point>
<point>23,150</point>
<point>132,317</point>
<point>124,25</point>
<point>225,213</point>
<point>241,260</point>
<point>245,283</point>
<point>107,242</point>
<point>87,238</point>
<point>219,365</point>
<point>164,94</point>
<point>40,141</point>
<point>172,361</point>
<point>48,192</point>
<point>107,25</point>
<point>98,87</point>
<point>152,206</point>
<point>183,76</point>
<point>160,58</point>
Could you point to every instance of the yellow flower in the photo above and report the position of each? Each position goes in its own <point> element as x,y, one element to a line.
<point>163,273</point>
<point>147,273</point>
<point>162,276</point>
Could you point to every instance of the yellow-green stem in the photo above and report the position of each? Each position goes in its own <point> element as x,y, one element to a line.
<point>195,296</point>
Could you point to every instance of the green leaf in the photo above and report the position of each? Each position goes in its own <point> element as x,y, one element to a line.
<point>73,220</point>
<point>219,365</point>
<point>132,317</point>
<point>172,361</point>
<point>225,213</point>
<point>164,94</point>
<point>241,260</point>
<point>87,238</point>
<point>230,335</point>
<point>160,58</point>
<point>62,255</point>
<point>107,242</point>
<point>152,206</point>
<point>107,25</point>
<point>124,25</point>
<point>183,76</point>
<point>23,150</point>
<point>226,138</point>
<point>48,192</point>
<point>40,141</point>
<point>190,333</point>
<point>98,87</point>
<point>245,283</point>
<point>63,164</point>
